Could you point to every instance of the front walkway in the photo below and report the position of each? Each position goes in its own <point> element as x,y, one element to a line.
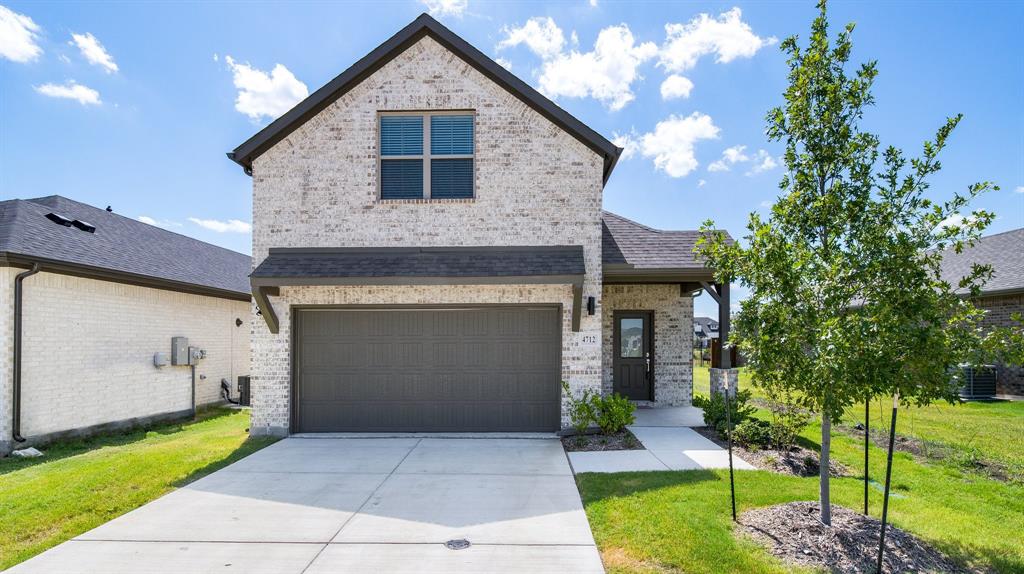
<point>670,444</point>
<point>373,505</point>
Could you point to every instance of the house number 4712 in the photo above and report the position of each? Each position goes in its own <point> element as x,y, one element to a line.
<point>589,339</point>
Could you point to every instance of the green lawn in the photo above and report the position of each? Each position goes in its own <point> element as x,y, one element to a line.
<point>680,522</point>
<point>80,485</point>
<point>972,431</point>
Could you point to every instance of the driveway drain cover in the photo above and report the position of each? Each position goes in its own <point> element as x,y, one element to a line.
<point>459,544</point>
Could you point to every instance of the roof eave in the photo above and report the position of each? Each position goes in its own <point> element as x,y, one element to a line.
<point>91,272</point>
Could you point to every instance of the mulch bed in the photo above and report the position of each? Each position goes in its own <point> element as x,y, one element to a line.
<point>798,461</point>
<point>794,533</point>
<point>595,442</point>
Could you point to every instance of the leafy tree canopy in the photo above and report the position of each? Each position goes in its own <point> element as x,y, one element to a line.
<point>846,297</point>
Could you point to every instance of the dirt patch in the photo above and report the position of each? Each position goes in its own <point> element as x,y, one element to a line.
<point>922,450</point>
<point>793,533</point>
<point>620,559</point>
<point>798,461</point>
<point>593,442</point>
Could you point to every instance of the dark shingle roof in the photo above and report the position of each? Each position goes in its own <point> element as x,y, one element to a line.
<point>1003,251</point>
<point>706,323</point>
<point>119,245</point>
<point>422,262</point>
<point>626,242</point>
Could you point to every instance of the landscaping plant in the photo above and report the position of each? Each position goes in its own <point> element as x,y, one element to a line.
<point>611,413</point>
<point>582,408</point>
<point>846,298</point>
<point>789,419</point>
<point>614,413</point>
<point>714,409</point>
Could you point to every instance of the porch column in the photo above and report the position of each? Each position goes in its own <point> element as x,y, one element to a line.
<point>724,358</point>
<point>723,368</point>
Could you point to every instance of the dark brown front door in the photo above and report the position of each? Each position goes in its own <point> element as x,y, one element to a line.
<point>633,363</point>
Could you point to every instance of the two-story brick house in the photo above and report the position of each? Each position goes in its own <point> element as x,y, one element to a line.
<point>430,254</point>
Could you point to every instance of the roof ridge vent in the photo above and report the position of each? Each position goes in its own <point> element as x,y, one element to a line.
<point>84,226</point>
<point>59,219</point>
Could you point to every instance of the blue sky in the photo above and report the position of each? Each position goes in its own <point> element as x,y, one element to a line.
<point>134,105</point>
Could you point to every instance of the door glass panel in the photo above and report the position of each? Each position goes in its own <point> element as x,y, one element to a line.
<point>631,337</point>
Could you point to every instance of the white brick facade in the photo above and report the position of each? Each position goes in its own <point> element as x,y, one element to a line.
<point>535,185</point>
<point>88,345</point>
<point>673,337</point>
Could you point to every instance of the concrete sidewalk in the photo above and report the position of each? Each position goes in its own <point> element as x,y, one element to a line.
<point>670,444</point>
<point>354,505</point>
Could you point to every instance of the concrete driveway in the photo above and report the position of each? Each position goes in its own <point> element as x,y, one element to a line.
<point>324,505</point>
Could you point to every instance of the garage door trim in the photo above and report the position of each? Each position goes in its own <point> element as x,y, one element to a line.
<point>293,408</point>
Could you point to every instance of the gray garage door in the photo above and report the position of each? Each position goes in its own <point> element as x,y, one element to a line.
<point>427,370</point>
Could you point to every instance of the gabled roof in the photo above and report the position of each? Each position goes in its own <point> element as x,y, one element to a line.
<point>630,246</point>
<point>395,45</point>
<point>1003,251</point>
<point>120,249</point>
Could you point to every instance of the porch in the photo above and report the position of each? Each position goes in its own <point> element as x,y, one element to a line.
<point>650,279</point>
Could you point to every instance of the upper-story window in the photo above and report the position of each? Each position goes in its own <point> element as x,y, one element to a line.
<point>426,155</point>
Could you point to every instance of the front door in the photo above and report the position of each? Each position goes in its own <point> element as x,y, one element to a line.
<point>633,363</point>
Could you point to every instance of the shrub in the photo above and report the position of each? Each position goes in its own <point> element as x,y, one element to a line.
<point>714,409</point>
<point>753,433</point>
<point>582,409</point>
<point>788,420</point>
<point>614,413</point>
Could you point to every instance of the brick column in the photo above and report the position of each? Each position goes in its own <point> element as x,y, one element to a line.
<point>718,377</point>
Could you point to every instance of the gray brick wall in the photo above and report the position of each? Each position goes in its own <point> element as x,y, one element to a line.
<point>673,337</point>
<point>535,185</point>
<point>999,311</point>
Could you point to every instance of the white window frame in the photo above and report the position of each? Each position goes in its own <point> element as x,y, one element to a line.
<point>426,115</point>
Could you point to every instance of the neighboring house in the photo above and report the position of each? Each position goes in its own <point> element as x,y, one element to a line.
<point>431,254</point>
<point>705,329</point>
<point>108,294</point>
<point>1002,296</point>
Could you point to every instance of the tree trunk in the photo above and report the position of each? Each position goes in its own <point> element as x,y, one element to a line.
<point>826,445</point>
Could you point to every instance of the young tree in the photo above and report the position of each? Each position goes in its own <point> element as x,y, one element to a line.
<point>846,300</point>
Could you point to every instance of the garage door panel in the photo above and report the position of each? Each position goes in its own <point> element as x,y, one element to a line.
<point>431,370</point>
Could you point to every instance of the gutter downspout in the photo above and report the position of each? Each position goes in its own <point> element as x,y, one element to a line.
<point>16,410</point>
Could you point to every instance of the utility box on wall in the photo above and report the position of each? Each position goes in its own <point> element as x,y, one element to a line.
<point>179,351</point>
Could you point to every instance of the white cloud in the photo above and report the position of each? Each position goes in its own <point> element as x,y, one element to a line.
<point>676,86</point>
<point>672,142</point>
<point>727,37</point>
<point>955,220</point>
<point>1020,189</point>
<point>629,143</point>
<point>94,52</point>
<point>504,63</point>
<point>541,35</point>
<point>763,161</point>
<point>766,203</point>
<point>18,35</point>
<point>216,57</point>
<point>71,91</point>
<point>593,3</point>
<point>446,7</point>
<point>261,94</point>
<point>730,157</point>
<point>165,223</point>
<point>231,225</point>
<point>702,183</point>
<point>605,74</point>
